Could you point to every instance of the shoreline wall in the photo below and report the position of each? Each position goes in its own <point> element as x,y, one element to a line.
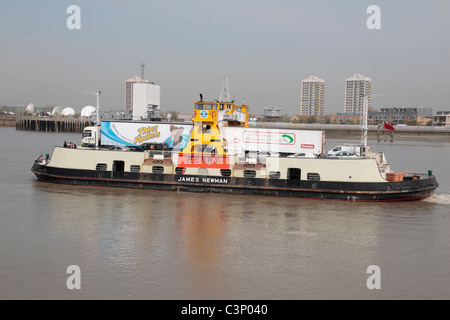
<point>5,122</point>
<point>338,131</point>
<point>332,131</point>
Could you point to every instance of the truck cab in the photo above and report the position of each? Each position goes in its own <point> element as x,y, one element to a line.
<point>90,135</point>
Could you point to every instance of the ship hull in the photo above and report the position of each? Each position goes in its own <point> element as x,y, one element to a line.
<point>324,190</point>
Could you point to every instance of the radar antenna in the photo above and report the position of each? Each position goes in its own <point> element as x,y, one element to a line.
<point>142,71</point>
<point>225,95</point>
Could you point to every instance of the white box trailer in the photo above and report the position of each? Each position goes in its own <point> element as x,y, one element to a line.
<point>238,140</point>
<point>283,141</point>
<point>136,133</point>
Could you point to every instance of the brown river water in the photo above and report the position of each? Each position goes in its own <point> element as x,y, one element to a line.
<point>143,244</point>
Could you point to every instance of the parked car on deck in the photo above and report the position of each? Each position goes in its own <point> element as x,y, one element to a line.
<point>343,154</point>
<point>261,156</point>
<point>302,155</point>
<point>350,148</point>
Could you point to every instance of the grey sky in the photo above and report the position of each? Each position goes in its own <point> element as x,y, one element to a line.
<point>267,48</point>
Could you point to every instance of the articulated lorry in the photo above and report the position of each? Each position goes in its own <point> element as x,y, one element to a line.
<point>136,133</point>
<point>237,140</point>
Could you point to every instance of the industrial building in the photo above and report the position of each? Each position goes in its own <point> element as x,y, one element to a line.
<point>401,115</point>
<point>442,118</point>
<point>273,114</point>
<point>142,98</point>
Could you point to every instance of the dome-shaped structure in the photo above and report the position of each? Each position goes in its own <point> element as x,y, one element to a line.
<point>56,110</point>
<point>88,111</point>
<point>29,108</point>
<point>68,112</point>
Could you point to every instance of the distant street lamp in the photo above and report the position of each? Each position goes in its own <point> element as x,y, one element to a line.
<point>96,93</point>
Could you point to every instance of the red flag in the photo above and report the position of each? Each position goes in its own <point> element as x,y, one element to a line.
<point>388,126</point>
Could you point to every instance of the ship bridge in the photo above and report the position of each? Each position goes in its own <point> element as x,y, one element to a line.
<point>227,113</point>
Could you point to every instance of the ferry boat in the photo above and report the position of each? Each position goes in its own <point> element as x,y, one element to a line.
<point>204,165</point>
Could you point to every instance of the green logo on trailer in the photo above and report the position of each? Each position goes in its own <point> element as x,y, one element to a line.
<point>287,138</point>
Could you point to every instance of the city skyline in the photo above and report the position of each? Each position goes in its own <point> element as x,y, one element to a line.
<point>267,48</point>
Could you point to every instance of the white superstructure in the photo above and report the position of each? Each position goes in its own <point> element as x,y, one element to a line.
<point>129,91</point>
<point>146,97</point>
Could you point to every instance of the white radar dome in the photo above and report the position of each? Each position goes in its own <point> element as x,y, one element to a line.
<point>68,112</point>
<point>30,108</point>
<point>88,111</point>
<point>56,110</point>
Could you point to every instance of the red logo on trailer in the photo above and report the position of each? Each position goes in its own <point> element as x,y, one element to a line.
<point>307,146</point>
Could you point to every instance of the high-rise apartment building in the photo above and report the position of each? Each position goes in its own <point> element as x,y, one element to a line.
<point>312,96</point>
<point>356,89</point>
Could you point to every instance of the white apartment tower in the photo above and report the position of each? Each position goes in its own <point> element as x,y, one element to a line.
<point>356,88</point>
<point>312,96</point>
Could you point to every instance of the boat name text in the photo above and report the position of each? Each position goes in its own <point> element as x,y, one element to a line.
<point>200,179</point>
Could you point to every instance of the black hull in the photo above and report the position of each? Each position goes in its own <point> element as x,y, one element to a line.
<point>385,191</point>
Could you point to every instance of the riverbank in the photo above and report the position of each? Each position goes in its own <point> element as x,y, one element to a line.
<point>341,131</point>
<point>338,131</point>
<point>7,120</point>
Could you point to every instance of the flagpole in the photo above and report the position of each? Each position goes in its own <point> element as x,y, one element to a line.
<point>364,128</point>
<point>97,124</point>
<point>365,112</point>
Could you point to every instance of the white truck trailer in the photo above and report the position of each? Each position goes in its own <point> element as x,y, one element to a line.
<point>238,140</point>
<point>282,141</point>
<point>136,133</point>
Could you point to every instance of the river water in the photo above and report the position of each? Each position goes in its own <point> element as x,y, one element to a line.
<point>143,244</point>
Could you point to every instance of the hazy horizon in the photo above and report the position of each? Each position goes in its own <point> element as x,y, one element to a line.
<point>266,47</point>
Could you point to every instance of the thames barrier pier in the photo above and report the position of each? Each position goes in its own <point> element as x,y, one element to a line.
<point>59,124</point>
